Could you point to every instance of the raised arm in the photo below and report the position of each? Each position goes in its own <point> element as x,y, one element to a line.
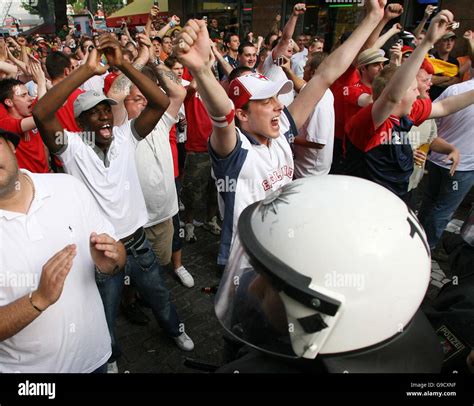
<point>151,17</point>
<point>194,51</point>
<point>120,89</point>
<point>298,83</point>
<point>335,64</point>
<point>396,28</point>
<point>289,30</point>
<point>44,112</point>
<point>226,66</point>
<point>392,11</point>
<point>406,74</point>
<point>426,16</point>
<point>170,83</point>
<point>157,101</point>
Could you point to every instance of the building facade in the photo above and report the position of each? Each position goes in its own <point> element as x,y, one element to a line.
<point>328,18</point>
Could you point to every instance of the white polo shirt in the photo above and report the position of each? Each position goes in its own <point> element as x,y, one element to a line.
<point>156,172</point>
<point>115,187</point>
<point>248,174</point>
<point>72,334</point>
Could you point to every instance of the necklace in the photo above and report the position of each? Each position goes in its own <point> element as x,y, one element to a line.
<point>33,190</point>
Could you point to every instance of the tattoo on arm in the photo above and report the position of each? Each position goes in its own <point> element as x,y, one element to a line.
<point>123,83</point>
<point>164,76</point>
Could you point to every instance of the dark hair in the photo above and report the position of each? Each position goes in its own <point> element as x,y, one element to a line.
<point>229,36</point>
<point>315,59</point>
<point>6,89</point>
<point>240,71</point>
<point>56,62</point>
<point>268,37</point>
<point>243,45</point>
<point>83,41</point>
<point>171,61</point>
<point>156,39</point>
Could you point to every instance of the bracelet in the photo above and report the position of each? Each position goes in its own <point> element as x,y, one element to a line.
<point>224,121</point>
<point>115,271</point>
<point>32,304</point>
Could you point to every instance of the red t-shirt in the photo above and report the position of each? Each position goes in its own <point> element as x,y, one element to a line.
<point>174,150</point>
<point>384,154</point>
<point>350,100</point>
<point>199,127</point>
<point>339,89</point>
<point>3,111</point>
<point>30,153</point>
<point>65,114</point>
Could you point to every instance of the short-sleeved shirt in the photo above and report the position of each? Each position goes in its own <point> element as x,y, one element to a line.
<point>72,334</point>
<point>65,114</point>
<point>30,153</point>
<point>155,170</point>
<point>384,154</point>
<point>116,186</point>
<point>248,174</point>
<point>339,89</point>
<point>319,128</point>
<point>457,129</point>
<point>199,126</point>
<point>351,99</point>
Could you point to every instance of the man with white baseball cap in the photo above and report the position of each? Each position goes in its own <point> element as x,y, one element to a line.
<point>103,157</point>
<point>87,100</point>
<point>252,155</point>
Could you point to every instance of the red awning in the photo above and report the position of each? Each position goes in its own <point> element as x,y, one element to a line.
<point>135,13</point>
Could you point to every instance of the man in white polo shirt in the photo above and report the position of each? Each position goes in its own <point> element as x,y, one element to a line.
<point>107,167</point>
<point>52,236</point>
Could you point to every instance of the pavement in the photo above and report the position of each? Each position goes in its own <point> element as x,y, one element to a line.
<point>146,349</point>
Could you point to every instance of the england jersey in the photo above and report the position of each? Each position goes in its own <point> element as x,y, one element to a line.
<point>249,174</point>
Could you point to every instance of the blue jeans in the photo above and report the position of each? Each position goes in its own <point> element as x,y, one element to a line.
<point>443,195</point>
<point>143,269</point>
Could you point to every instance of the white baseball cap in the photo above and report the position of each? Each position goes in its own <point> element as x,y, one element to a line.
<point>256,87</point>
<point>87,100</point>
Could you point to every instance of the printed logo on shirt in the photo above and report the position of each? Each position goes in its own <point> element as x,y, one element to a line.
<point>277,176</point>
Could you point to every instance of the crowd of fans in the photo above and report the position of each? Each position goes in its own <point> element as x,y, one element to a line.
<point>172,119</point>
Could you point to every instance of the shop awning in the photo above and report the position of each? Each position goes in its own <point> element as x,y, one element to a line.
<point>135,13</point>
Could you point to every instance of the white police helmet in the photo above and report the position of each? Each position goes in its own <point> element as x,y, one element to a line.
<point>326,265</point>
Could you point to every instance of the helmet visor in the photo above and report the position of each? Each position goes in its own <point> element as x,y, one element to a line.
<point>251,309</point>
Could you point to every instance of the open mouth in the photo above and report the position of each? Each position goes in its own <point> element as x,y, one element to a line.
<point>105,131</point>
<point>276,122</point>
